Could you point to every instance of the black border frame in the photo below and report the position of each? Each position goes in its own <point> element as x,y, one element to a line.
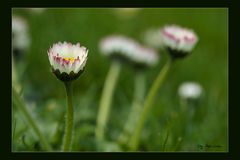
<point>233,80</point>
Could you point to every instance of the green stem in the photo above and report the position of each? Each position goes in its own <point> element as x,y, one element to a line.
<point>20,104</point>
<point>69,118</point>
<point>106,99</point>
<point>134,141</point>
<point>139,91</point>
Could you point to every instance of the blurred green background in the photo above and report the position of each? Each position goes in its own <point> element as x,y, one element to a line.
<point>45,96</point>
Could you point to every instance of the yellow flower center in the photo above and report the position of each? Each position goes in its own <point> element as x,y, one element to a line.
<point>69,59</point>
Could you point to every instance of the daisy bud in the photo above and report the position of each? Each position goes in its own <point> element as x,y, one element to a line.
<point>179,41</point>
<point>126,49</point>
<point>67,60</point>
<point>190,91</point>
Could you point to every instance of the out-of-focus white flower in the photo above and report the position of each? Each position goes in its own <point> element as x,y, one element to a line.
<point>20,36</point>
<point>153,38</point>
<point>126,48</point>
<point>180,41</point>
<point>126,12</point>
<point>117,44</point>
<point>37,10</point>
<point>190,90</point>
<point>67,60</point>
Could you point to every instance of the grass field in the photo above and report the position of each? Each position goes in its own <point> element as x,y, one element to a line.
<point>166,128</point>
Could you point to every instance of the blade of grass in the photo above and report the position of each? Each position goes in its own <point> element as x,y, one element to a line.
<point>20,104</point>
<point>165,141</point>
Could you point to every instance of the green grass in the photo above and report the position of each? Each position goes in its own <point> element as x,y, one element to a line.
<point>207,65</point>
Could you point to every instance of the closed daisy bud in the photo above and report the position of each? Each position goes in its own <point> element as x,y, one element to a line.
<point>179,41</point>
<point>190,90</point>
<point>67,60</point>
<point>126,49</point>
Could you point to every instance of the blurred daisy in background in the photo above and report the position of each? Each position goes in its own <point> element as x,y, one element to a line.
<point>117,45</point>
<point>37,10</point>
<point>126,12</point>
<point>20,36</point>
<point>178,40</point>
<point>152,38</point>
<point>190,94</point>
<point>126,49</point>
<point>122,49</point>
<point>190,90</point>
<point>20,45</point>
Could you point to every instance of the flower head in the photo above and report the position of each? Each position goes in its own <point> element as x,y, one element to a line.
<point>21,39</point>
<point>129,50</point>
<point>190,90</point>
<point>179,41</point>
<point>67,60</point>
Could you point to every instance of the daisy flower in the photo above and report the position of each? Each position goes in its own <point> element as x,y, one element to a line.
<point>179,41</point>
<point>67,60</point>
